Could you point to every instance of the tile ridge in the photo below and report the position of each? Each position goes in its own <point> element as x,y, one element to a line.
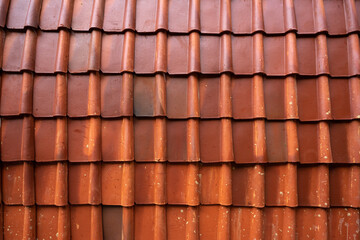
<point>97,14</point>
<point>62,52</point>
<point>129,14</point>
<point>61,184</point>
<point>60,151</point>
<point>350,16</point>
<point>225,16</point>
<point>257,16</point>
<point>193,140</point>
<point>127,63</point>
<point>94,50</point>
<point>319,16</point>
<point>162,15</point>
<point>354,87</point>
<point>93,106</point>
<point>94,195</point>
<point>26,100</point>
<point>33,14</point>
<point>194,15</point>
<point>289,16</point>
<point>65,15</point>
<point>29,50</point>
<point>28,187</point>
<point>4,7</point>
<point>353,52</point>
<point>60,96</point>
<point>27,139</point>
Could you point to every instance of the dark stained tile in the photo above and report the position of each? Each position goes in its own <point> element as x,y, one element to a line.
<point>118,222</point>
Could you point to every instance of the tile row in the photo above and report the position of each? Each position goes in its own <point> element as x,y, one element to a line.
<point>213,17</point>
<point>79,52</point>
<point>192,184</point>
<point>178,222</point>
<point>180,97</point>
<point>158,139</point>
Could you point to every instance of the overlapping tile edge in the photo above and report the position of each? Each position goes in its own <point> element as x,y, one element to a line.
<point>210,192</point>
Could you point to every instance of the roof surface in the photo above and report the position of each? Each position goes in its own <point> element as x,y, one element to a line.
<point>156,119</point>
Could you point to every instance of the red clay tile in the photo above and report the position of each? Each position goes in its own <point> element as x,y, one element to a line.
<point>186,191</point>
<point>314,99</point>
<point>51,184</point>
<point>344,186</point>
<point>335,8</point>
<point>19,222</point>
<point>53,222</point>
<point>247,97</point>
<point>13,51</point>
<point>150,222</point>
<point>216,142</point>
<point>51,140</point>
<point>23,13</point>
<point>85,183</point>
<point>280,98</point>
<point>117,52</point>
<point>117,139</point>
<point>209,97</point>
<point>149,96</point>
<point>55,14</point>
<point>145,48</point>
<point>146,15</point>
<point>212,8</point>
<point>4,5</point>
<point>279,223</point>
<point>210,54</point>
<point>177,97</point>
<point>84,95</point>
<point>179,14</point>
<point>214,222</point>
<point>84,52</point>
<point>21,102</point>
<point>183,140</point>
<point>182,222</point>
<point>276,62</point>
<point>117,95</point>
<point>150,183</point>
<point>282,141</point>
<point>314,142</point>
<point>280,185</point>
<point>119,15</point>
<point>84,138</point>
<point>215,184</point>
<point>248,185</point>
<point>117,184</point>
<point>150,139</point>
<point>49,95</point>
<point>118,222</point>
<point>87,14</point>
<point>17,139</point>
<point>52,52</point>
<point>313,185</point>
<point>242,15</point>
<point>246,223</point>
<point>344,95</point>
<point>344,223</point>
<point>279,16</point>
<point>311,223</point>
<point>85,222</point>
<point>178,47</point>
<point>18,184</point>
<point>249,141</point>
<point>343,55</point>
<point>345,142</point>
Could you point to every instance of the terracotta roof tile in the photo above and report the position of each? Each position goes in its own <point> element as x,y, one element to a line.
<point>155,119</point>
<point>53,222</point>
